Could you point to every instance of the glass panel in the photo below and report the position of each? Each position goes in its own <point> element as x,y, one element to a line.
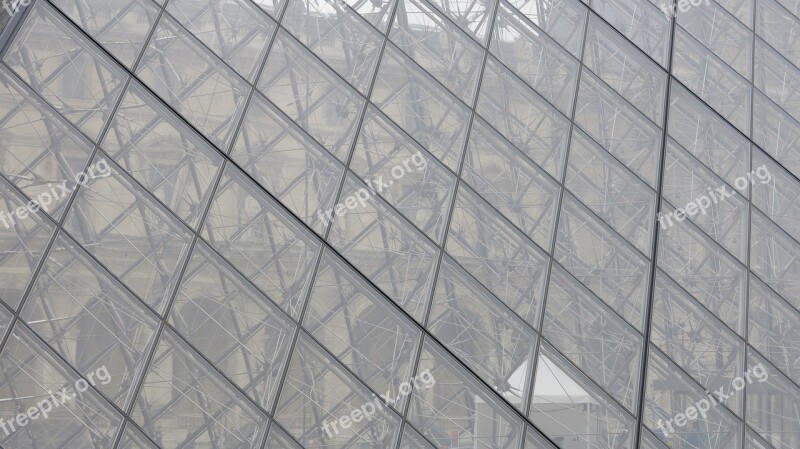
<point>535,440</point>
<point>360,327</point>
<point>438,46</point>
<point>32,378</point>
<point>278,439</point>
<point>338,36</point>
<point>776,193</point>
<point>625,69</point>
<point>701,132</point>
<point>234,326</point>
<point>618,127</point>
<point>453,409</point>
<point>641,23</point>
<point>776,77</point>
<point>6,320</point>
<point>271,7</point>
<point>774,328</point>
<point>714,206</point>
<point>39,150</point>
<point>708,272</point>
<point>525,119</point>
<point>792,5</point>
<point>499,256</point>
<point>772,404</point>
<point>422,107</point>
<point>694,339</point>
<point>404,174</point>
<point>134,439</point>
<point>711,80</point>
<point>386,248</point>
<point>615,194</point>
<point>120,26</point>
<point>323,406</point>
<point>593,337</point>
<point>511,183</point>
<point>90,319</point>
<point>311,95</point>
<point>235,30</point>
<point>377,12</point>
<point>185,402</point>
<point>490,339</point>
<point>742,9</point>
<point>563,20</point>
<point>753,441</point>
<point>167,157</point>
<point>602,261</point>
<point>773,257</point>
<point>261,240</point>
<point>567,407</point>
<point>721,33</point>
<point>776,132</point>
<point>649,441</point>
<point>472,17</point>
<point>23,241</point>
<point>287,163</point>
<point>535,58</point>
<point>189,78</point>
<point>67,70</point>
<point>670,394</point>
<point>413,440</point>
<point>779,28</point>
<point>133,236</point>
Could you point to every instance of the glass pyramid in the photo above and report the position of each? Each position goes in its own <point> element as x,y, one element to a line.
<point>400,224</point>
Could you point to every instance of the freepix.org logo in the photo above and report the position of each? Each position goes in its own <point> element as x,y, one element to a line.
<point>671,9</point>
<point>377,185</point>
<point>13,7</point>
<point>423,381</point>
<point>99,170</point>
<point>715,196</point>
<point>45,406</point>
<point>702,406</point>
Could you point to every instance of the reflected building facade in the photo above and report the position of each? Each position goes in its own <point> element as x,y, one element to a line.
<point>522,264</point>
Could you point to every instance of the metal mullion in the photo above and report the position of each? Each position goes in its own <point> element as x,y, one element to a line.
<point>426,333</point>
<point>35,228</point>
<point>201,221</point>
<point>648,308</point>
<point>131,404</point>
<point>559,206</point>
<point>652,279</point>
<point>59,224</point>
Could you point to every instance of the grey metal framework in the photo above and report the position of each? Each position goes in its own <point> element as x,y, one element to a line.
<point>496,170</point>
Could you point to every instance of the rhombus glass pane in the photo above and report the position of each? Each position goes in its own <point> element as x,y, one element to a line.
<point>399,224</point>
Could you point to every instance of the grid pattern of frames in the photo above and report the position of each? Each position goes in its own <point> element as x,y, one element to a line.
<point>307,204</point>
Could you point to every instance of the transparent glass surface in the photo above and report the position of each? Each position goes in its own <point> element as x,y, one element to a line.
<point>567,406</point>
<point>490,338</point>
<point>500,256</point>
<point>453,397</point>
<point>338,36</point>
<point>68,70</point>
<point>400,224</point>
<point>207,92</point>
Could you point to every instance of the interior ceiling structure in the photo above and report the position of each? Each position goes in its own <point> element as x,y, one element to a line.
<point>299,208</point>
